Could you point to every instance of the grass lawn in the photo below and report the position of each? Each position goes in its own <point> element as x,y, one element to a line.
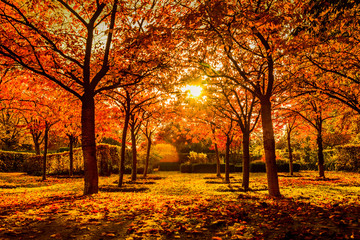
<point>171,205</point>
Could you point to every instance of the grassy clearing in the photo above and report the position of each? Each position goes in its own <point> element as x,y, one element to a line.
<point>171,205</point>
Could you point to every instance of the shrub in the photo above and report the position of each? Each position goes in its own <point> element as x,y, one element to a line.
<point>257,166</point>
<point>222,167</point>
<point>63,149</point>
<point>209,168</point>
<point>195,157</point>
<point>238,168</point>
<point>104,159</point>
<point>169,166</point>
<point>347,158</point>
<point>186,168</point>
<point>115,159</point>
<point>308,159</point>
<point>203,168</point>
<point>296,167</point>
<point>57,163</point>
<point>183,157</point>
<point>13,161</point>
<point>281,165</point>
<point>140,170</point>
<point>127,170</point>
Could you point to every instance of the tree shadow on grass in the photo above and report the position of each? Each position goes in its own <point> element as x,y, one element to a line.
<point>140,182</point>
<point>322,179</point>
<point>221,177</point>
<point>152,177</point>
<point>57,226</point>
<point>49,201</point>
<point>9,186</point>
<point>114,188</point>
<point>67,176</point>
<point>237,188</point>
<point>296,175</point>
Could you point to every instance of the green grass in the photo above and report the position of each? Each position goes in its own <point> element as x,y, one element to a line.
<point>181,206</point>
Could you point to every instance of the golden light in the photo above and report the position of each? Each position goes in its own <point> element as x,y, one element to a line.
<point>193,90</point>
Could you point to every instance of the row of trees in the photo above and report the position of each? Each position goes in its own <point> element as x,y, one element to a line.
<point>255,55</point>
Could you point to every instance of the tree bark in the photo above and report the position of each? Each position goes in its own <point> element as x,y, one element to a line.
<point>46,139</point>
<point>269,147</point>
<point>91,178</point>
<point>218,171</point>
<point>37,147</point>
<point>291,167</point>
<point>227,160</point>
<point>36,139</point>
<point>320,154</point>
<point>246,160</point>
<point>134,153</point>
<point>123,149</point>
<point>71,155</point>
<point>148,148</point>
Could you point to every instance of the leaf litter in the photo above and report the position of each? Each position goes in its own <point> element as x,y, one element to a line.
<point>181,206</point>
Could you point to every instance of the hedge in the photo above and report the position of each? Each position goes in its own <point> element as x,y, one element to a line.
<point>13,161</point>
<point>203,168</point>
<point>59,163</point>
<point>103,159</point>
<point>256,166</point>
<point>206,168</point>
<point>347,158</point>
<point>108,157</point>
<point>282,166</point>
<point>186,168</point>
<point>139,170</point>
<point>169,166</point>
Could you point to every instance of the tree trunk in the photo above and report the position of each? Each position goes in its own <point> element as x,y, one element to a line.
<point>36,139</point>
<point>123,149</point>
<point>269,147</point>
<point>227,159</point>
<point>291,167</point>
<point>147,157</point>
<point>218,171</point>
<point>37,147</point>
<point>246,160</point>
<point>320,155</point>
<point>46,139</point>
<point>71,155</point>
<point>134,153</point>
<point>91,178</point>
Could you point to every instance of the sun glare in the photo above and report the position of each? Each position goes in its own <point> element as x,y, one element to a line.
<point>193,90</point>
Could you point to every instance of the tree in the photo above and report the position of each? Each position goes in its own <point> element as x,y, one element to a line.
<point>10,128</point>
<point>131,101</point>
<point>240,106</point>
<point>135,124</point>
<point>329,61</point>
<point>245,42</point>
<point>57,52</point>
<point>43,110</point>
<point>290,126</point>
<point>149,126</point>
<point>71,128</point>
<point>11,121</point>
<point>154,113</point>
<point>58,40</point>
<point>315,110</point>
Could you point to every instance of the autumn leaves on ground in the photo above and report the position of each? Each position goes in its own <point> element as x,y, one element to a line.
<point>171,205</point>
